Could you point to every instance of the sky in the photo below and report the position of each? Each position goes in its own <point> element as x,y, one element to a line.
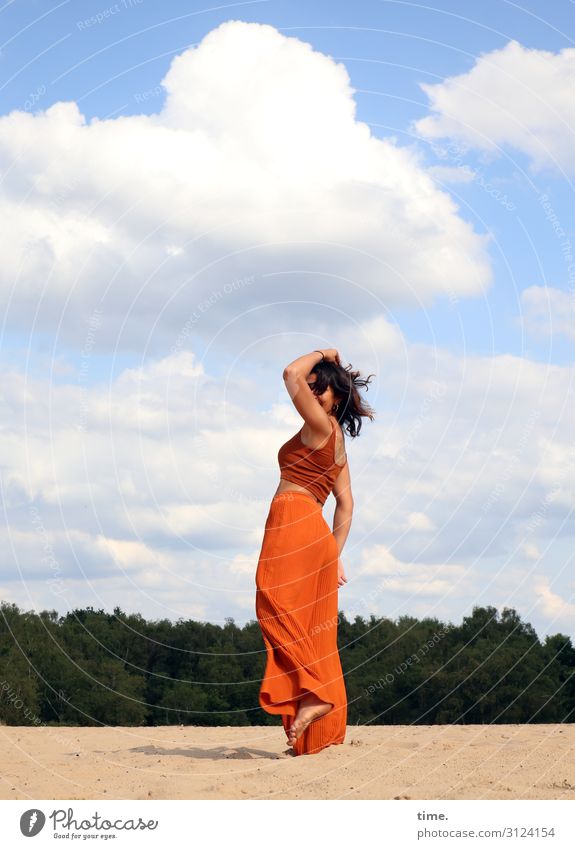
<point>193,197</point>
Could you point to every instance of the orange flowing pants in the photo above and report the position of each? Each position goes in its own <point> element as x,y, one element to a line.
<point>296,607</point>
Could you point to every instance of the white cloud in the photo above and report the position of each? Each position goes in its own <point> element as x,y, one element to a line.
<point>553,607</point>
<point>447,174</point>
<point>255,166</point>
<point>409,578</point>
<point>547,312</point>
<point>531,551</point>
<point>419,522</point>
<point>515,96</point>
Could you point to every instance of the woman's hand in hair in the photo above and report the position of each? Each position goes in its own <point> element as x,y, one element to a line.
<point>331,355</point>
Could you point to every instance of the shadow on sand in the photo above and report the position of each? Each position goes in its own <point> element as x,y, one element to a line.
<point>214,754</point>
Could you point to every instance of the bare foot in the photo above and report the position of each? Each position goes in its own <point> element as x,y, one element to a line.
<point>310,709</point>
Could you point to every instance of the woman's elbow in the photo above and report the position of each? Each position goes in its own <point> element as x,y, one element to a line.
<point>345,502</point>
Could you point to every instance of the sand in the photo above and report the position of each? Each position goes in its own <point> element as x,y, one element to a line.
<point>375,762</point>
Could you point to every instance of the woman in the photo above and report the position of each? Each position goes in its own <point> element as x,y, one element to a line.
<point>299,568</point>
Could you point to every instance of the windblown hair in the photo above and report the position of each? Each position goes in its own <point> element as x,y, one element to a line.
<point>346,385</point>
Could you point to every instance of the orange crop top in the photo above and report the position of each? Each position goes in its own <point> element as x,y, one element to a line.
<point>313,468</point>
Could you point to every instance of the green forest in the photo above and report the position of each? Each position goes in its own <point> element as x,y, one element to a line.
<point>90,667</point>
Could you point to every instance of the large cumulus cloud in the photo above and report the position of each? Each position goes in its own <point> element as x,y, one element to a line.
<point>257,166</point>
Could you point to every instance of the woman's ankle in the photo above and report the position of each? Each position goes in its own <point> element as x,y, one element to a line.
<point>311,700</point>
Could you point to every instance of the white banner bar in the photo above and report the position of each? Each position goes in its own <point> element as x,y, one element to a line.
<point>290,823</point>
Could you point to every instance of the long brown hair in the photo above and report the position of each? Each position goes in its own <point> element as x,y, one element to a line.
<point>346,384</point>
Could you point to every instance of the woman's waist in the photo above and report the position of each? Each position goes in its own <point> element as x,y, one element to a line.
<point>288,493</point>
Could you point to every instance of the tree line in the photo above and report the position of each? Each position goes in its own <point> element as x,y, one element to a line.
<point>90,667</point>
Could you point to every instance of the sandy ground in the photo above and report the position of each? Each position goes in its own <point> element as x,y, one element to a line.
<point>375,762</point>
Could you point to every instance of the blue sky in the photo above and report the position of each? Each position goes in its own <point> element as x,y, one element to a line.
<point>427,236</point>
